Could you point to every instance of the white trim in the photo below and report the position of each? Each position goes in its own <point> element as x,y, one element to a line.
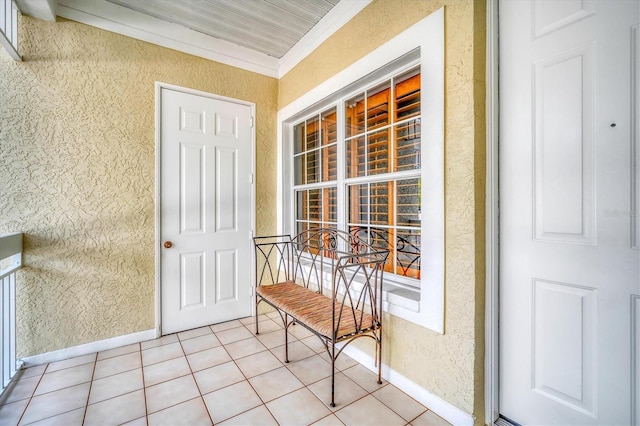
<point>442,408</point>
<point>45,10</point>
<point>337,17</point>
<point>121,20</point>
<point>158,190</point>
<point>428,35</point>
<point>89,348</point>
<point>491,358</point>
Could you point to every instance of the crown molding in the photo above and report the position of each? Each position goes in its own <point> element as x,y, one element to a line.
<point>118,19</point>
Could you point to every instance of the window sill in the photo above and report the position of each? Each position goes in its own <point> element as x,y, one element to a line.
<point>394,298</point>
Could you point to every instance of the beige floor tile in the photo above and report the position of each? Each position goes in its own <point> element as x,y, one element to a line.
<point>118,410</point>
<point>297,351</point>
<point>196,332</point>
<point>71,362</point>
<point>230,401</point>
<point>259,416</point>
<point>266,326</point>
<point>245,347</point>
<point>118,364</point>
<point>310,370</point>
<point>259,363</point>
<point>272,340</point>
<point>140,421</point>
<point>275,383</point>
<point>189,413</point>
<point>300,332</point>
<point>36,370</point>
<point>346,391</point>
<point>123,350</point>
<point>369,411</point>
<point>249,320</point>
<point>209,358</point>
<point>364,377</point>
<point>164,340</point>
<point>217,377</point>
<point>273,315</point>
<point>116,385</point>
<point>74,417</point>
<point>170,393</point>
<point>19,389</point>
<point>200,343</point>
<point>407,407</point>
<point>315,344</point>
<point>161,353</point>
<point>343,362</point>
<point>300,407</point>
<point>56,402</point>
<point>165,370</point>
<point>10,413</point>
<point>330,420</point>
<point>233,335</point>
<point>430,419</point>
<point>225,326</point>
<point>65,378</point>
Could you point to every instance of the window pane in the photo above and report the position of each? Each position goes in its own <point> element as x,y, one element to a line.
<point>298,167</point>
<point>312,166</point>
<point>329,127</point>
<point>301,205</point>
<point>313,134</point>
<point>301,227</point>
<point>407,93</point>
<point>378,107</point>
<point>298,137</point>
<point>378,153</point>
<point>408,202</point>
<point>408,253</point>
<point>330,160</point>
<point>407,144</point>
<point>359,204</point>
<point>331,206</point>
<point>315,205</point>
<point>379,203</point>
<point>355,152</point>
<point>354,116</point>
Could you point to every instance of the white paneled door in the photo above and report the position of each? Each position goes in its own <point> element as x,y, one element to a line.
<point>206,210</point>
<point>569,186</point>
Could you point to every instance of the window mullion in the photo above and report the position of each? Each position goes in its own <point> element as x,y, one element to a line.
<point>341,165</point>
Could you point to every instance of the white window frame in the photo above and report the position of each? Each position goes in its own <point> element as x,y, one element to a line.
<point>425,40</point>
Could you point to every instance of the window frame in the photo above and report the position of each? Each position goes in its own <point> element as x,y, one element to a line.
<point>424,43</point>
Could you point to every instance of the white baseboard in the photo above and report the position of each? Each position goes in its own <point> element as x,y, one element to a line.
<point>88,348</point>
<point>442,408</point>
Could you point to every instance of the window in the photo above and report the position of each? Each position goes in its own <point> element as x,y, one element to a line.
<point>380,170</point>
<point>364,152</point>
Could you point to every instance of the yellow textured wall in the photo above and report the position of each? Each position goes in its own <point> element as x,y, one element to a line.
<point>449,365</point>
<point>77,152</point>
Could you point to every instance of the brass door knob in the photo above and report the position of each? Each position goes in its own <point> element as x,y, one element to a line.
<point>168,244</point>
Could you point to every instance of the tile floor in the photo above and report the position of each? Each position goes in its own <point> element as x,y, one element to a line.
<point>222,374</point>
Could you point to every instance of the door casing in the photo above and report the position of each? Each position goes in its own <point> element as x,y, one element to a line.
<point>158,234</point>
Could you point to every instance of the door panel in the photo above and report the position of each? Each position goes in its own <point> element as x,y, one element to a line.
<point>568,266</point>
<point>206,210</point>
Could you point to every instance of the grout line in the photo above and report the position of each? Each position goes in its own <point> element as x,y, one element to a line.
<point>144,387</point>
<point>93,373</point>
<point>194,378</point>
<point>32,394</point>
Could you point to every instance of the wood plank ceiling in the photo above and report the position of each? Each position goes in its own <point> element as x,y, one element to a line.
<point>271,27</point>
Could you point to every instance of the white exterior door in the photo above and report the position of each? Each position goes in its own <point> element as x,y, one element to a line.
<point>206,210</point>
<point>569,258</point>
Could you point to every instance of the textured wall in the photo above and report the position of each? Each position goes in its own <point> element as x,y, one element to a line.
<point>449,365</point>
<point>77,152</point>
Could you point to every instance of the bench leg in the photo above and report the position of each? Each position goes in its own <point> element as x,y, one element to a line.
<point>379,357</point>
<point>333,373</point>
<point>286,338</point>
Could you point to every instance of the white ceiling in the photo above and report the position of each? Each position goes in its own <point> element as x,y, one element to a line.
<point>265,36</point>
<point>271,27</point>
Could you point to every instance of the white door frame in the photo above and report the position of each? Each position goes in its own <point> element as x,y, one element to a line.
<point>491,361</point>
<point>158,233</point>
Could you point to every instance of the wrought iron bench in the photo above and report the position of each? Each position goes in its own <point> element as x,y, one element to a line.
<point>319,272</point>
